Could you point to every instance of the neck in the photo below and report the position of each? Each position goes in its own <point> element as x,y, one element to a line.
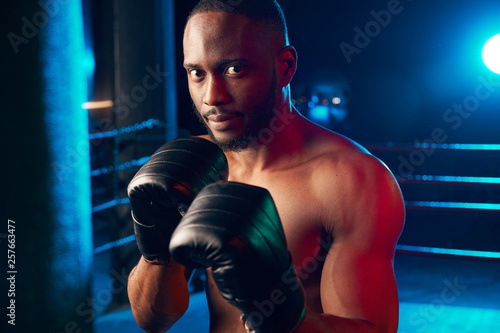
<point>276,144</point>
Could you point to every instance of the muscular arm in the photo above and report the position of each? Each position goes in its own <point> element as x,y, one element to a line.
<point>158,295</point>
<point>358,287</point>
<point>160,191</point>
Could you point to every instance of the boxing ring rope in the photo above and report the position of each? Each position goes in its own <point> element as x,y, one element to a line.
<point>435,146</point>
<point>451,180</point>
<point>109,204</point>
<point>442,252</point>
<point>466,207</point>
<point>129,165</point>
<point>473,207</point>
<point>149,124</point>
<point>127,131</point>
<point>120,242</point>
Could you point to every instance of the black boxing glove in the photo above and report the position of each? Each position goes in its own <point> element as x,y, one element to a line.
<point>235,229</point>
<point>165,186</point>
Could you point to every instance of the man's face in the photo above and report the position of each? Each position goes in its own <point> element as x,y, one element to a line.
<point>232,77</point>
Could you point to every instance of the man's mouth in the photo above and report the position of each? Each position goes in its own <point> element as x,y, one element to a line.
<point>223,121</point>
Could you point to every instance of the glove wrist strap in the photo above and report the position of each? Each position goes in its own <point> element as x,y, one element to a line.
<point>293,330</point>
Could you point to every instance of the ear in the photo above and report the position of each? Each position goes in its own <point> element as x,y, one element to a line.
<point>287,64</point>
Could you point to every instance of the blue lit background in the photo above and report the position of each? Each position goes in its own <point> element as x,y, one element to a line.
<point>65,66</point>
<point>400,85</point>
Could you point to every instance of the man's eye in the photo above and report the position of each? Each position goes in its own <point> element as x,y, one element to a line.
<point>234,70</point>
<point>195,74</point>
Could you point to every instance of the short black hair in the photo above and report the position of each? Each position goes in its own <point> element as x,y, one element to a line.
<point>268,12</point>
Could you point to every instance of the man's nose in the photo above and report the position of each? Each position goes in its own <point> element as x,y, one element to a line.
<point>216,92</point>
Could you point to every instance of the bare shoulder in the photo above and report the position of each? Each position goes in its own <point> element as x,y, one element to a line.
<point>357,190</point>
<point>334,151</point>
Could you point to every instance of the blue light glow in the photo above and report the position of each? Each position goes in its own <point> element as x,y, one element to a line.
<point>319,113</point>
<point>459,205</point>
<point>65,82</point>
<point>458,146</point>
<point>88,63</point>
<point>491,54</point>
<point>445,146</point>
<point>456,179</point>
<point>447,317</point>
<point>453,252</point>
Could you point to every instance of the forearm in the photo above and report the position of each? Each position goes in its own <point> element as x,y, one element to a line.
<point>317,322</point>
<point>158,295</point>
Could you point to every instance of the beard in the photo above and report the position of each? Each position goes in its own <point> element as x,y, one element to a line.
<point>259,118</point>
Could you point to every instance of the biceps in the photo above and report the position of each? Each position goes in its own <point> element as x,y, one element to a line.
<point>360,286</point>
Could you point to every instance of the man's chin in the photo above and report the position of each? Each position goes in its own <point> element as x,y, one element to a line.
<point>232,143</point>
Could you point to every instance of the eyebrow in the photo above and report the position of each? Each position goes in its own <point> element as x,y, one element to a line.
<point>221,63</point>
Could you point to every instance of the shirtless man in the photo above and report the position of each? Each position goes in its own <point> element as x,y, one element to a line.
<point>341,209</point>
